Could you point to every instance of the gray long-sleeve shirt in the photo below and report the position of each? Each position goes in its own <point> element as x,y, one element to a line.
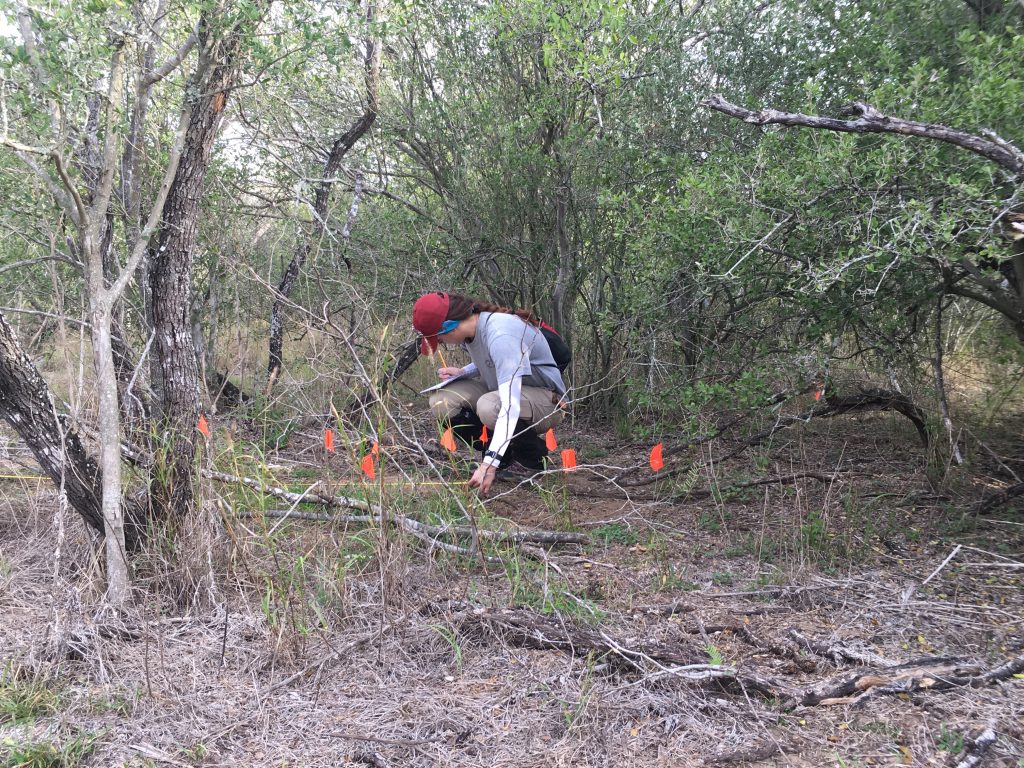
<point>508,352</point>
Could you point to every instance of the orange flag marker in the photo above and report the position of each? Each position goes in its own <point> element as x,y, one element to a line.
<point>549,440</point>
<point>568,459</point>
<point>484,437</point>
<point>375,450</point>
<point>329,440</point>
<point>819,393</point>
<point>657,462</point>
<point>202,426</point>
<point>448,441</point>
<point>367,466</point>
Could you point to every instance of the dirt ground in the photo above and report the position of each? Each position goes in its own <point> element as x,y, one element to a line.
<point>847,613</point>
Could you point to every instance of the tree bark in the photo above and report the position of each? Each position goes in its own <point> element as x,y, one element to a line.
<point>172,260</point>
<point>27,405</point>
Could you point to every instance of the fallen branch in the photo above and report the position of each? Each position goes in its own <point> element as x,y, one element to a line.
<point>928,674</point>
<point>996,500</point>
<point>423,531</point>
<point>752,755</point>
<point>868,398</point>
<point>837,652</point>
<point>977,747</point>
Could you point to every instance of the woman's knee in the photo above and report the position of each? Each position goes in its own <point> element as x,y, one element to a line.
<point>550,420</point>
<point>488,407</point>
<point>443,407</point>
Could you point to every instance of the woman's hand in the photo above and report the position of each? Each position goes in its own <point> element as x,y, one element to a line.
<point>483,478</point>
<point>447,373</point>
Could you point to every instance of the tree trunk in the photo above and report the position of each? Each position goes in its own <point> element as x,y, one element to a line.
<point>110,447</point>
<point>172,260</point>
<point>323,191</point>
<point>560,293</point>
<point>27,405</point>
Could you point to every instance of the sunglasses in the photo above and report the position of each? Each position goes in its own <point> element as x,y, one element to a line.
<point>448,326</point>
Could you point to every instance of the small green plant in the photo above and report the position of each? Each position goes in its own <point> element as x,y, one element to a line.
<point>685,482</point>
<point>571,711</point>
<point>46,753</point>
<point>881,728</point>
<point>668,579</point>
<point>449,634</point>
<point>746,544</point>
<point>714,655</point>
<point>723,578</point>
<point>616,533</point>
<point>556,501</point>
<point>812,532</point>
<point>950,741</point>
<point>531,585</point>
<point>120,703</point>
<point>708,521</point>
<point>196,753</point>
<point>762,462</point>
<point>22,698</point>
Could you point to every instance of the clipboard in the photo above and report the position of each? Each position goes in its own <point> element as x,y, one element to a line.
<point>444,383</point>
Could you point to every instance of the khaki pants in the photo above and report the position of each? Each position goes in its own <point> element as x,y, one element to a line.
<point>536,405</point>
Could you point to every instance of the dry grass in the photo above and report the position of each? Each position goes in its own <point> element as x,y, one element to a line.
<point>310,644</point>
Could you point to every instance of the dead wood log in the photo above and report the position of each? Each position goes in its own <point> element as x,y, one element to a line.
<point>837,652</point>
<point>927,674</point>
<point>752,755</point>
<point>996,500</point>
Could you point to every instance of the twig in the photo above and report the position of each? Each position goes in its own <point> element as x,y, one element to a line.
<point>943,564</point>
<point>379,740</point>
<point>373,511</point>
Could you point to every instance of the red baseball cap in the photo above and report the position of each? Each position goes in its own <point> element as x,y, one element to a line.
<point>428,314</point>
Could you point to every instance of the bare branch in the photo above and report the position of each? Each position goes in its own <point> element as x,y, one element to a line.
<point>870,120</point>
<point>171,64</point>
